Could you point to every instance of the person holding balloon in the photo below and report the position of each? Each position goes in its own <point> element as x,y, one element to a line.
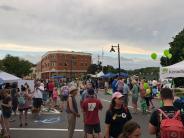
<point>142,95</point>
<point>148,96</point>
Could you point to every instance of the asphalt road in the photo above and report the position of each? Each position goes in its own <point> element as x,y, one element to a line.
<point>54,125</point>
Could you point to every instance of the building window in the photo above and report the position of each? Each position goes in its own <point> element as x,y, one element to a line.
<point>52,64</point>
<point>74,57</point>
<point>74,63</point>
<point>60,64</point>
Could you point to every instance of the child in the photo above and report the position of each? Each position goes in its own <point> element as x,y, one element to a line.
<point>23,105</point>
<point>55,96</point>
<point>143,105</point>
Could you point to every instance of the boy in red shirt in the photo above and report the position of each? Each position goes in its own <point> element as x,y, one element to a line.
<point>90,107</point>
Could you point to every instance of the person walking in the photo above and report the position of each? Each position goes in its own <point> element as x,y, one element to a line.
<point>14,98</point>
<point>23,105</point>
<point>126,90</point>
<point>72,110</point>
<point>160,124</point>
<point>37,99</point>
<point>116,116</point>
<point>64,96</point>
<point>6,113</point>
<point>120,85</point>
<point>90,107</point>
<point>135,95</point>
<point>114,87</point>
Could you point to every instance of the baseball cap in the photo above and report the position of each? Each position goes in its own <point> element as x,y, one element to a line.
<point>117,95</point>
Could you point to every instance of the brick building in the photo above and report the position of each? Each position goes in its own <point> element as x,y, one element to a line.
<point>64,63</point>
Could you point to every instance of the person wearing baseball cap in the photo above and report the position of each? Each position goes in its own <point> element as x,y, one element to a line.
<point>116,116</point>
<point>90,108</point>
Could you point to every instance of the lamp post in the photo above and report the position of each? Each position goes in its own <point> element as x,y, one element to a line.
<point>112,50</point>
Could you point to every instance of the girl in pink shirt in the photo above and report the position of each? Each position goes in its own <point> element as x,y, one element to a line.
<point>55,96</point>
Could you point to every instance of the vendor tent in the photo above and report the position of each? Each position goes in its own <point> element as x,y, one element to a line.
<point>173,71</point>
<point>109,75</point>
<point>8,78</point>
<point>100,74</point>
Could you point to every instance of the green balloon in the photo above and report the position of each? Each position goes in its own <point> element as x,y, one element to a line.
<point>146,86</point>
<point>154,56</point>
<point>166,52</point>
<point>169,56</point>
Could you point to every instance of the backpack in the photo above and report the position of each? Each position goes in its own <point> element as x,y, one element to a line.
<point>21,99</point>
<point>65,91</point>
<point>119,85</point>
<point>171,127</point>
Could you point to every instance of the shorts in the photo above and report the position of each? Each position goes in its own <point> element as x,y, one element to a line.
<point>63,98</point>
<point>6,114</point>
<point>37,102</point>
<point>89,128</point>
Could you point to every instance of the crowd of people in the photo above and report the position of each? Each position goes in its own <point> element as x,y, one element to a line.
<point>118,118</point>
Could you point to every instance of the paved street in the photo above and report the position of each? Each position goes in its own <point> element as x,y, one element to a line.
<point>55,125</point>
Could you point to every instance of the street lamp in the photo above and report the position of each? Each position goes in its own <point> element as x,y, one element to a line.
<point>113,50</point>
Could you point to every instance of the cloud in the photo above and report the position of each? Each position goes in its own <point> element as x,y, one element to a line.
<point>139,26</point>
<point>126,63</point>
<point>7,8</point>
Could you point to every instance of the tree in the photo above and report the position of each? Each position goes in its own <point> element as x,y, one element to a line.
<point>109,68</point>
<point>16,66</point>
<point>177,51</point>
<point>1,65</point>
<point>92,69</point>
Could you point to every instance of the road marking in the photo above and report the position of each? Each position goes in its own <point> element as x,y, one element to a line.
<point>43,129</point>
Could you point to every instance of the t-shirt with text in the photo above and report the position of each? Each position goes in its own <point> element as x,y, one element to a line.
<point>91,106</point>
<point>116,118</point>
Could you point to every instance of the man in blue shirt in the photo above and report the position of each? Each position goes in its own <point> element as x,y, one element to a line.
<point>114,87</point>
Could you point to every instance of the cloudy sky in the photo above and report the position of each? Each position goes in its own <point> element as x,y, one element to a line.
<point>29,28</point>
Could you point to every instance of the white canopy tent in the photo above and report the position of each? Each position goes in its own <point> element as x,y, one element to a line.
<point>8,78</point>
<point>173,71</point>
<point>100,74</point>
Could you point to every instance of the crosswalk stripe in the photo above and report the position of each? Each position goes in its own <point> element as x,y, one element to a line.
<point>43,129</point>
